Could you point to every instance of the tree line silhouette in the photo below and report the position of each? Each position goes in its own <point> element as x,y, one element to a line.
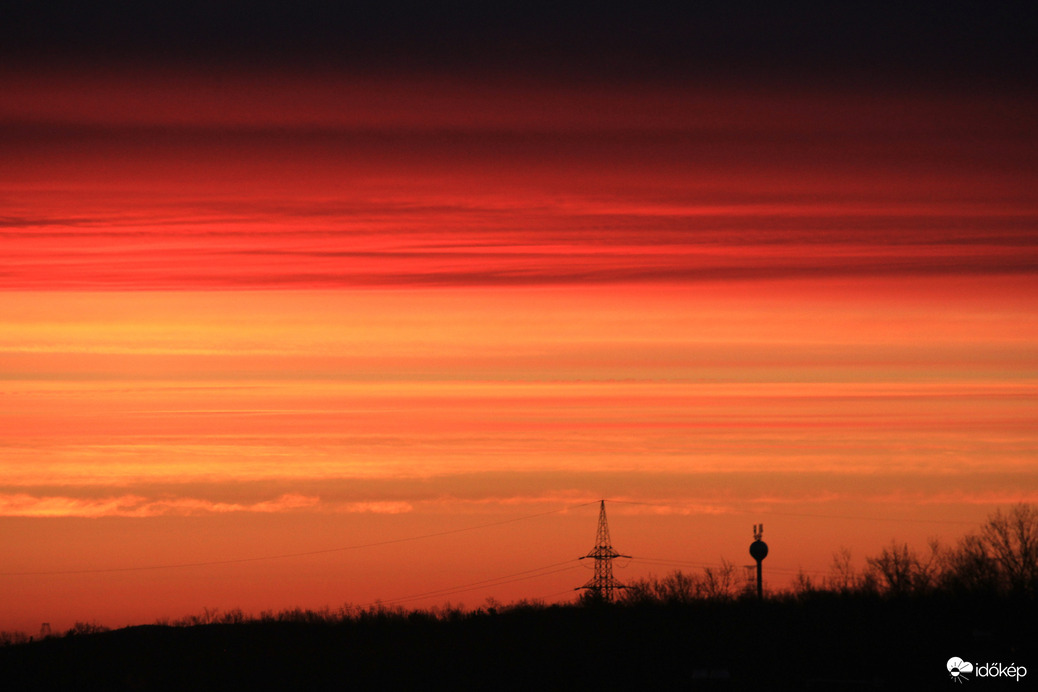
<point>1000,559</point>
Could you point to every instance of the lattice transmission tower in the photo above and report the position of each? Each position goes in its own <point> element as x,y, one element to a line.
<point>603,584</point>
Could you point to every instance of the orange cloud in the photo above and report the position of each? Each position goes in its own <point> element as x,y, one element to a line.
<point>26,505</point>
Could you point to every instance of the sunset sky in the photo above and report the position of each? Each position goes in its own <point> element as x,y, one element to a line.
<point>303,305</point>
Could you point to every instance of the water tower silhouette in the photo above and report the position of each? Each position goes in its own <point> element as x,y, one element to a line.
<point>759,551</point>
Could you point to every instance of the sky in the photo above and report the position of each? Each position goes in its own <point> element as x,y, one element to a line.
<point>304,304</point>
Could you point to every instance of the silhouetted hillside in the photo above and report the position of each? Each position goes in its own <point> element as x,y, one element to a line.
<point>812,641</point>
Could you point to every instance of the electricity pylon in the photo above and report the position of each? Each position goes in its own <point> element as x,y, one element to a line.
<point>603,584</point>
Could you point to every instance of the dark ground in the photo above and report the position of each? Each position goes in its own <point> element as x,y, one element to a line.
<point>826,642</point>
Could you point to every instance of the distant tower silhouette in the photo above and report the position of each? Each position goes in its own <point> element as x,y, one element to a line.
<point>602,585</point>
<point>759,551</point>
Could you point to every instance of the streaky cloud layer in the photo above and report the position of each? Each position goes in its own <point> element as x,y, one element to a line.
<point>131,209</point>
<point>250,313</point>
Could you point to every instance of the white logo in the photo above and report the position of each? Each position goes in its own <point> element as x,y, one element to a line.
<point>958,668</point>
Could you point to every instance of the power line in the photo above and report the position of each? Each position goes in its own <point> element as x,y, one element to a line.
<point>539,572</point>
<point>282,556</point>
<point>485,583</point>
<point>679,563</point>
<point>689,563</point>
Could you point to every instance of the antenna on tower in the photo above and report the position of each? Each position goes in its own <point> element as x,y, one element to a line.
<point>603,584</point>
